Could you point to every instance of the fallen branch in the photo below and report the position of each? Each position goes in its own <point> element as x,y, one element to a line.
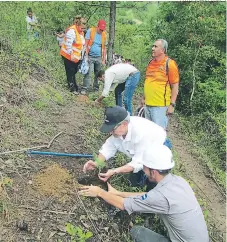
<point>218,186</point>
<point>24,149</point>
<point>45,210</point>
<point>50,143</point>
<point>31,148</point>
<point>86,210</point>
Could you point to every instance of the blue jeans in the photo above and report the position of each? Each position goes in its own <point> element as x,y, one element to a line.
<point>129,87</point>
<point>142,234</point>
<point>157,115</point>
<point>94,65</point>
<point>33,35</point>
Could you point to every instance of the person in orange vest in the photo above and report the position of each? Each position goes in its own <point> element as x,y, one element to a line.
<point>95,43</point>
<point>71,51</point>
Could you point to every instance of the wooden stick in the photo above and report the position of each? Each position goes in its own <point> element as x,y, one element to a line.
<point>50,143</point>
<point>44,210</point>
<point>31,148</point>
<point>85,209</point>
<point>24,149</point>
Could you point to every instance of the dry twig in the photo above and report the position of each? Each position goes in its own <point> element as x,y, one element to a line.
<point>30,148</point>
<point>21,150</point>
<point>45,210</point>
<point>86,210</point>
<point>50,143</point>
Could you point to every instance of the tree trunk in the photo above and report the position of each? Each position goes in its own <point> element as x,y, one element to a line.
<point>111,33</point>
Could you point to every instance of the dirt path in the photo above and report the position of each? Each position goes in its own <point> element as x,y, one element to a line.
<point>204,186</point>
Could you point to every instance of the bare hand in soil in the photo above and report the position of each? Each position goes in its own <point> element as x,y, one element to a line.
<point>111,189</point>
<point>89,166</point>
<point>105,176</point>
<point>90,191</point>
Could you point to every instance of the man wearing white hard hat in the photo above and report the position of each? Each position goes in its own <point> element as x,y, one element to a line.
<point>172,199</point>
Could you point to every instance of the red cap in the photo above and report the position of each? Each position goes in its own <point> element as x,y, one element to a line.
<point>102,24</point>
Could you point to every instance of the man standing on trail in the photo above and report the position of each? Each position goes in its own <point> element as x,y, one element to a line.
<point>95,44</point>
<point>130,135</point>
<point>172,200</point>
<point>121,77</point>
<point>161,85</point>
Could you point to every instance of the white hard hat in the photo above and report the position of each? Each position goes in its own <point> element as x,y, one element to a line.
<point>158,157</point>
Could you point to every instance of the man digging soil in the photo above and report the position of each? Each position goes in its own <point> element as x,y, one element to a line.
<point>132,136</point>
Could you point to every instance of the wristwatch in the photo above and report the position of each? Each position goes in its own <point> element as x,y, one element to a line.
<point>173,105</point>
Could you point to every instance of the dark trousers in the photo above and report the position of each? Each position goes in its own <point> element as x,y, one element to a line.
<point>139,179</point>
<point>118,93</point>
<point>141,234</point>
<point>71,69</point>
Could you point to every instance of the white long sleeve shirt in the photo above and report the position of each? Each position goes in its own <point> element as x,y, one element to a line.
<point>70,38</point>
<point>142,134</point>
<point>32,20</point>
<point>115,75</point>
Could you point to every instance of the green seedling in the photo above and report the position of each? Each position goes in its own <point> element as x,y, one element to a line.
<point>77,234</point>
<point>99,164</point>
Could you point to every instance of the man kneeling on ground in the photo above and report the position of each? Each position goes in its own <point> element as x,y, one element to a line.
<point>130,135</point>
<point>172,199</point>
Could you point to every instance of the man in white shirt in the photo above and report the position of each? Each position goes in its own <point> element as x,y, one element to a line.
<point>121,77</point>
<point>130,135</point>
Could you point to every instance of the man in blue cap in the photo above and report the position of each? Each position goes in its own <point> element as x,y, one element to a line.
<point>130,135</point>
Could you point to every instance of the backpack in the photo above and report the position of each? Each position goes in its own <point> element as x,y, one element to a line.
<point>140,112</point>
<point>167,66</point>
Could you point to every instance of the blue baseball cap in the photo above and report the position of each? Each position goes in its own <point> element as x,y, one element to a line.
<point>112,117</point>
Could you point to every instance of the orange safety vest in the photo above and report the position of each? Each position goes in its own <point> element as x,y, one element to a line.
<point>77,47</point>
<point>92,37</point>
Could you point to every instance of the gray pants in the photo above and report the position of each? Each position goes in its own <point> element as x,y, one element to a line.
<point>142,234</point>
<point>94,65</point>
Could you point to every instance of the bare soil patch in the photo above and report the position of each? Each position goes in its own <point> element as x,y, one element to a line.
<point>53,181</point>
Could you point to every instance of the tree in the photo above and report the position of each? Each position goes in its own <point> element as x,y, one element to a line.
<point>111,32</point>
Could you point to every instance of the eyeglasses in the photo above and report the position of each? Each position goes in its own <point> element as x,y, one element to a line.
<point>119,124</point>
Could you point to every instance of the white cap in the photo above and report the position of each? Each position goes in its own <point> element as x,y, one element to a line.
<point>158,157</point>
